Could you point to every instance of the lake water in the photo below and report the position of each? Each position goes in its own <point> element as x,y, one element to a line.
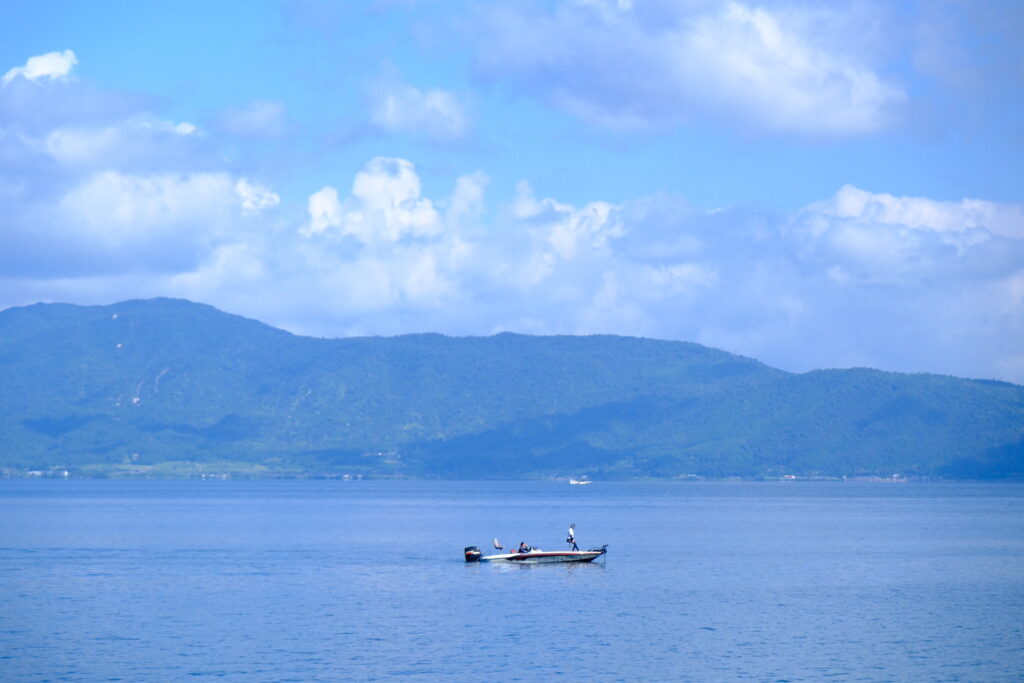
<point>327,580</point>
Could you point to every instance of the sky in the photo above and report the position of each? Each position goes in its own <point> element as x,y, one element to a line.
<point>815,185</point>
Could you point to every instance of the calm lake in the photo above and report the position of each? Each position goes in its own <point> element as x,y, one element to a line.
<point>330,580</point>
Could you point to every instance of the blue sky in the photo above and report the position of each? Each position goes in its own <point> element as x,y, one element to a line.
<point>813,185</point>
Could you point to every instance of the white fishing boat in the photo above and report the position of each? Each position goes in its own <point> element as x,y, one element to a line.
<point>537,556</point>
<point>580,482</point>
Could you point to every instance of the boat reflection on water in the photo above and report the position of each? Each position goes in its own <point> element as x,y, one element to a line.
<point>599,565</point>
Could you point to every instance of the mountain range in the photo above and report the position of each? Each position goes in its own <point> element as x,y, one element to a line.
<point>168,387</point>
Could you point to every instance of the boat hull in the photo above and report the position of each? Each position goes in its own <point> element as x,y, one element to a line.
<point>541,557</point>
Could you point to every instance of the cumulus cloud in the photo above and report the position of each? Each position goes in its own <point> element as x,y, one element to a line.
<point>663,62</point>
<point>385,205</point>
<point>51,66</point>
<point>324,211</point>
<point>544,266</point>
<point>402,108</point>
<point>564,229</point>
<point>384,253</point>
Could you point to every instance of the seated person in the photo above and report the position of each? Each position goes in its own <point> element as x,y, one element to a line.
<point>523,548</point>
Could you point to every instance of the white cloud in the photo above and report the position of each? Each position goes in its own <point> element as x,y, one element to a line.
<point>434,113</point>
<point>111,222</point>
<point>467,202</point>
<point>117,143</point>
<point>745,57</point>
<point>591,226</point>
<point>324,211</point>
<point>118,209</point>
<point>76,146</point>
<point>385,205</point>
<point>566,229</point>
<point>52,66</point>
<point>255,197</point>
<point>230,269</point>
<point>881,238</point>
<point>664,62</point>
<point>921,213</point>
<point>378,290</point>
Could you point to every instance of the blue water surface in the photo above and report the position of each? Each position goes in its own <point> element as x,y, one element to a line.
<point>364,580</point>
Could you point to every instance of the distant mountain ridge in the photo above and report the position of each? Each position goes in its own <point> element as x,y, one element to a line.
<point>171,387</point>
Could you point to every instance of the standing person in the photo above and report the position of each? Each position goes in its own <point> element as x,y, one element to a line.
<point>572,536</point>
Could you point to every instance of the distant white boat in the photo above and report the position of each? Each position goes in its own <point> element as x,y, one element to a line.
<point>580,482</point>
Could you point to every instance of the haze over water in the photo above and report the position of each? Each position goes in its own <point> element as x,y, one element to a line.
<point>311,580</point>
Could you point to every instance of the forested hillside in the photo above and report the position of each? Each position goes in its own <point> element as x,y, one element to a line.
<point>170,387</point>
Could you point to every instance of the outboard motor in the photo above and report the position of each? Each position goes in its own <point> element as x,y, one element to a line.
<point>473,554</point>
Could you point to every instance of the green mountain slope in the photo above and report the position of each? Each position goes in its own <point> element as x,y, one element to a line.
<point>140,383</point>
